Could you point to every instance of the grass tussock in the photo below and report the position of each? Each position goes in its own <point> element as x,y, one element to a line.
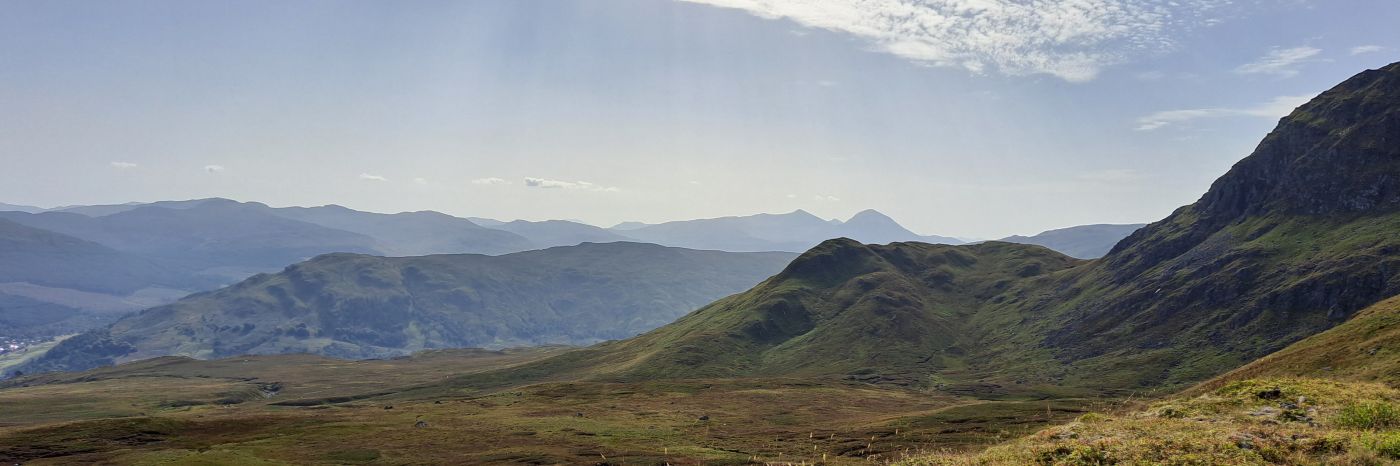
<point>1290,421</point>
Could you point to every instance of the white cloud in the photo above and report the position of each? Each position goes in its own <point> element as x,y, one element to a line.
<point>123,165</point>
<point>1070,39</point>
<point>792,196</point>
<point>557,184</point>
<point>420,181</point>
<point>1280,62</point>
<point>826,198</point>
<point>490,181</point>
<point>369,177</point>
<point>1361,49</point>
<point>1278,107</point>
<point>213,168</point>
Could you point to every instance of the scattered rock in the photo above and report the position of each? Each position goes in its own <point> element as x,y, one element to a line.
<point>388,406</point>
<point>1243,440</point>
<point>579,414</point>
<point>421,424</point>
<point>704,418</point>
<point>1270,394</point>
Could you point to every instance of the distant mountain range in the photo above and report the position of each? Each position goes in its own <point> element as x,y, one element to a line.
<point>795,232</point>
<point>1296,238</point>
<point>1083,242</point>
<point>359,306</point>
<point>100,260</point>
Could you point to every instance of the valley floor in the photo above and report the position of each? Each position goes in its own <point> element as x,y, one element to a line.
<point>309,410</point>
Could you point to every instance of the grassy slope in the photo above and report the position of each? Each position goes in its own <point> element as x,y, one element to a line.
<point>1365,348</point>
<point>1282,421</point>
<point>891,314</point>
<point>1340,373</point>
<point>1293,240</point>
<point>365,306</point>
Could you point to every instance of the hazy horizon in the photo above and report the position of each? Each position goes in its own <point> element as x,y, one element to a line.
<point>607,111</point>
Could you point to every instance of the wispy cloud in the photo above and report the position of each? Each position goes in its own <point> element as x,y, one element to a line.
<point>1363,49</point>
<point>557,184</point>
<point>825,198</point>
<point>1280,62</point>
<point>1070,39</point>
<point>213,168</point>
<point>490,181</point>
<point>1278,107</point>
<point>421,181</point>
<point>369,177</point>
<point>123,165</point>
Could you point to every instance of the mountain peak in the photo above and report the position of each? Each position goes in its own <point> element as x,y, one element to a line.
<point>870,216</point>
<point>833,258</point>
<point>1336,155</point>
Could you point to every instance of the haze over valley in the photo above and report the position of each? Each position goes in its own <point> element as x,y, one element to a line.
<point>691,232</point>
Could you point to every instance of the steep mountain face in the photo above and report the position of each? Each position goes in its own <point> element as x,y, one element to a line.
<point>359,306</point>
<point>1293,240</point>
<point>412,233</point>
<point>1084,241</point>
<point>795,232</point>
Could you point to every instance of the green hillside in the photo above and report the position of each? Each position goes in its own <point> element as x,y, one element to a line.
<point>1364,349</point>
<point>895,313</point>
<point>358,306</point>
<point>1293,240</point>
<point>1331,398</point>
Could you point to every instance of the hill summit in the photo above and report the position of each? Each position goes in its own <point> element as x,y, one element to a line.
<point>1293,240</point>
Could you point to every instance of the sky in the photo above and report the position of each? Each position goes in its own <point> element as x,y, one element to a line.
<point>970,118</point>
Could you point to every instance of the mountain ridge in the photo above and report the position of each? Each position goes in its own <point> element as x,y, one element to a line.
<point>361,306</point>
<point>1216,284</point>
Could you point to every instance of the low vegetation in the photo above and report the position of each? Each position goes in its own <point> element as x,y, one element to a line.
<point>1291,421</point>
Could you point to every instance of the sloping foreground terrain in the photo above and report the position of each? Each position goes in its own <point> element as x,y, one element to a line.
<point>304,409</point>
<point>1293,240</point>
<point>856,353</point>
<point>358,306</point>
<point>1329,399</point>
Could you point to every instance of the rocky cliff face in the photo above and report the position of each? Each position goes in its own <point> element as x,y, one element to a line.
<point>1293,239</point>
<point>1339,154</point>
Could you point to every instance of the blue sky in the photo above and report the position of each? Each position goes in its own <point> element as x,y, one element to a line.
<point>976,118</point>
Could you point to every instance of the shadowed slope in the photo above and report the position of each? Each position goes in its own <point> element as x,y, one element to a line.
<point>359,306</point>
